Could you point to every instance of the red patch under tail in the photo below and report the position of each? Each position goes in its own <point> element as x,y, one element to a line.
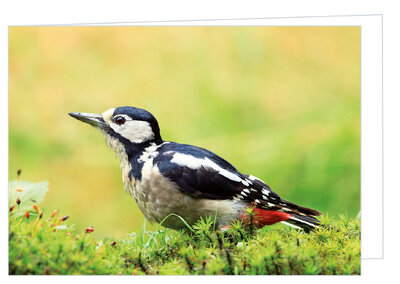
<point>264,217</point>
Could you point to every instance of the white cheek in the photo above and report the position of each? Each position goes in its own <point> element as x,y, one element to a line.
<point>136,131</point>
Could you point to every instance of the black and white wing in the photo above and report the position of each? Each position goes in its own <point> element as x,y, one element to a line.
<point>201,173</point>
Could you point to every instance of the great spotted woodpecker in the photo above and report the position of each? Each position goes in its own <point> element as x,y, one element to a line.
<point>189,181</point>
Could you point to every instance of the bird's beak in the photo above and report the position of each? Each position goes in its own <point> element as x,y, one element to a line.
<point>90,118</point>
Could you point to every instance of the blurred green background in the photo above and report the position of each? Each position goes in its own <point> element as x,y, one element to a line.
<point>280,103</point>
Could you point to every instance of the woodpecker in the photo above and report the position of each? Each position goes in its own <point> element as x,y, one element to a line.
<point>167,177</point>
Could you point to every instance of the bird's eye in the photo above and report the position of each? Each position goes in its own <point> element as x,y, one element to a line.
<point>119,120</point>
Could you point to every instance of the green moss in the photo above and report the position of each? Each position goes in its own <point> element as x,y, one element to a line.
<point>37,247</point>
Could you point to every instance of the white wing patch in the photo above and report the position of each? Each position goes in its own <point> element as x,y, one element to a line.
<point>265,192</point>
<point>254,178</point>
<point>195,163</point>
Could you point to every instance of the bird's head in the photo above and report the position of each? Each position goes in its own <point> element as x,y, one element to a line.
<point>127,125</point>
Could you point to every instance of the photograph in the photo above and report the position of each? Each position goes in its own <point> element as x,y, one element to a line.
<point>184,150</point>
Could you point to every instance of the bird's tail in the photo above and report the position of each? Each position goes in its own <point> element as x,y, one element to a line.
<point>287,213</point>
<point>301,217</point>
<point>307,223</point>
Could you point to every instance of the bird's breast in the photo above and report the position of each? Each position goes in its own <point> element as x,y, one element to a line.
<point>157,197</point>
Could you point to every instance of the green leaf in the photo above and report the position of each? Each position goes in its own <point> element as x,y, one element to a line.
<point>32,193</point>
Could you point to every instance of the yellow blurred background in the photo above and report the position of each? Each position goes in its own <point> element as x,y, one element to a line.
<point>281,103</point>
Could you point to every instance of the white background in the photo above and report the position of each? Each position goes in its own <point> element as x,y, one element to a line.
<point>81,12</point>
